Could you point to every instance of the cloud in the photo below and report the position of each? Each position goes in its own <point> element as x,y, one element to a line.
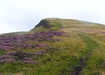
<point>20,15</point>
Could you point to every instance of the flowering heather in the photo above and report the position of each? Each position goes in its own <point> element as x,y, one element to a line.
<point>56,47</point>
<point>28,60</point>
<point>14,56</point>
<point>6,58</point>
<point>40,52</point>
<point>18,41</point>
<point>41,45</point>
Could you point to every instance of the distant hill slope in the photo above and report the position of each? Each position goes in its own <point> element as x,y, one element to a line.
<point>55,47</point>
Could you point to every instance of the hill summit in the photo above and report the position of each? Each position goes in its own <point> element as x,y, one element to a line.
<point>55,47</point>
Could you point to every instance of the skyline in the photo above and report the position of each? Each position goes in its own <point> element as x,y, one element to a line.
<point>23,15</point>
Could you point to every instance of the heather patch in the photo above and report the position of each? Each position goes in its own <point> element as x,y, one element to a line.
<point>20,41</point>
<point>56,47</point>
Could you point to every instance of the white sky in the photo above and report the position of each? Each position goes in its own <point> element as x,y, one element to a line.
<point>22,15</point>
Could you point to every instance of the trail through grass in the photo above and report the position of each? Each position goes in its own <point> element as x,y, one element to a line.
<point>90,46</point>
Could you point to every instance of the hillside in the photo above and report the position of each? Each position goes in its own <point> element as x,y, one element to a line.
<point>55,47</point>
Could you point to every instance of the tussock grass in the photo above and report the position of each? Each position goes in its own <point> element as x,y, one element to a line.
<point>82,42</point>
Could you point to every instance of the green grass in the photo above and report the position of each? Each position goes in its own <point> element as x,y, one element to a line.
<point>81,40</point>
<point>2,52</point>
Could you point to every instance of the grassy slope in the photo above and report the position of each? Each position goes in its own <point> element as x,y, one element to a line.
<point>81,51</point>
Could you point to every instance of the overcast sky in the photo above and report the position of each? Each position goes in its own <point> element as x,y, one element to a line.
<point>23,15</point>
